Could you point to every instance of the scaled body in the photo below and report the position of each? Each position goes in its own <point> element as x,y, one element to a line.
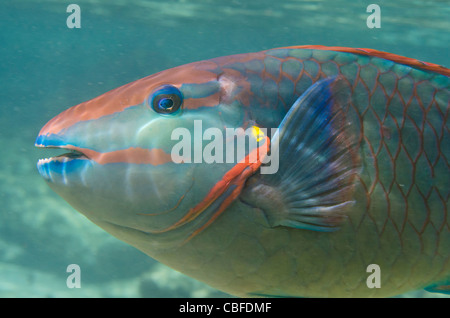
<point>363,145</point>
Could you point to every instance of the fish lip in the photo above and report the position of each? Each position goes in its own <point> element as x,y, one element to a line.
<point>62,168</point>
<point>73,152</point>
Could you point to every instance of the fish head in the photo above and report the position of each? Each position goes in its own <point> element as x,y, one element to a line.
<point>124,168</point>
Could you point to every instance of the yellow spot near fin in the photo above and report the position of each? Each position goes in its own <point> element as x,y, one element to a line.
<point>258,133</point>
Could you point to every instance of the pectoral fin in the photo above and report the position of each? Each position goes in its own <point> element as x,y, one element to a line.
<point>318,162</point>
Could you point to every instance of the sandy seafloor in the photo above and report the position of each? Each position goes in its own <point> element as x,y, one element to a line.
<point>46,67</point>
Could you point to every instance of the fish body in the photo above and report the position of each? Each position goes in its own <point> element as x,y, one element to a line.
<point>360,158</point>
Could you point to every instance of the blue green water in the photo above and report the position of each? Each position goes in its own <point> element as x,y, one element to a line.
<point>45,67</point>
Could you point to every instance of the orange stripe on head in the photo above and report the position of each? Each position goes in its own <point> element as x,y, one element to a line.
<point>209,101</point>
<point>131,94</point>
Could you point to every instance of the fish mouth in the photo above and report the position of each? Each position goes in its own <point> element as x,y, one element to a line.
<point>61,167</point>
<point>69,153</point>
<point>59,149</point>
<point>62,157</point>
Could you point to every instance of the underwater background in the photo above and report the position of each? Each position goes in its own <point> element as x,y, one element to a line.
<point>45,68</point>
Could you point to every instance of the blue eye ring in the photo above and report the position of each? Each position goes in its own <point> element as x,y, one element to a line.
<point>167,99</point>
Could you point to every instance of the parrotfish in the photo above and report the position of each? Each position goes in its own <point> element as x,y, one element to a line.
<point>353,201</point>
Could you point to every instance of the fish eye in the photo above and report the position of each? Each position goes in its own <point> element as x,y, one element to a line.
<point>166,100</point>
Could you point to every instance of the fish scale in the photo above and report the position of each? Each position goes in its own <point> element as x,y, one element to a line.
<point>377,122</point>
<point>364,172</point>
<point>390,162</point>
